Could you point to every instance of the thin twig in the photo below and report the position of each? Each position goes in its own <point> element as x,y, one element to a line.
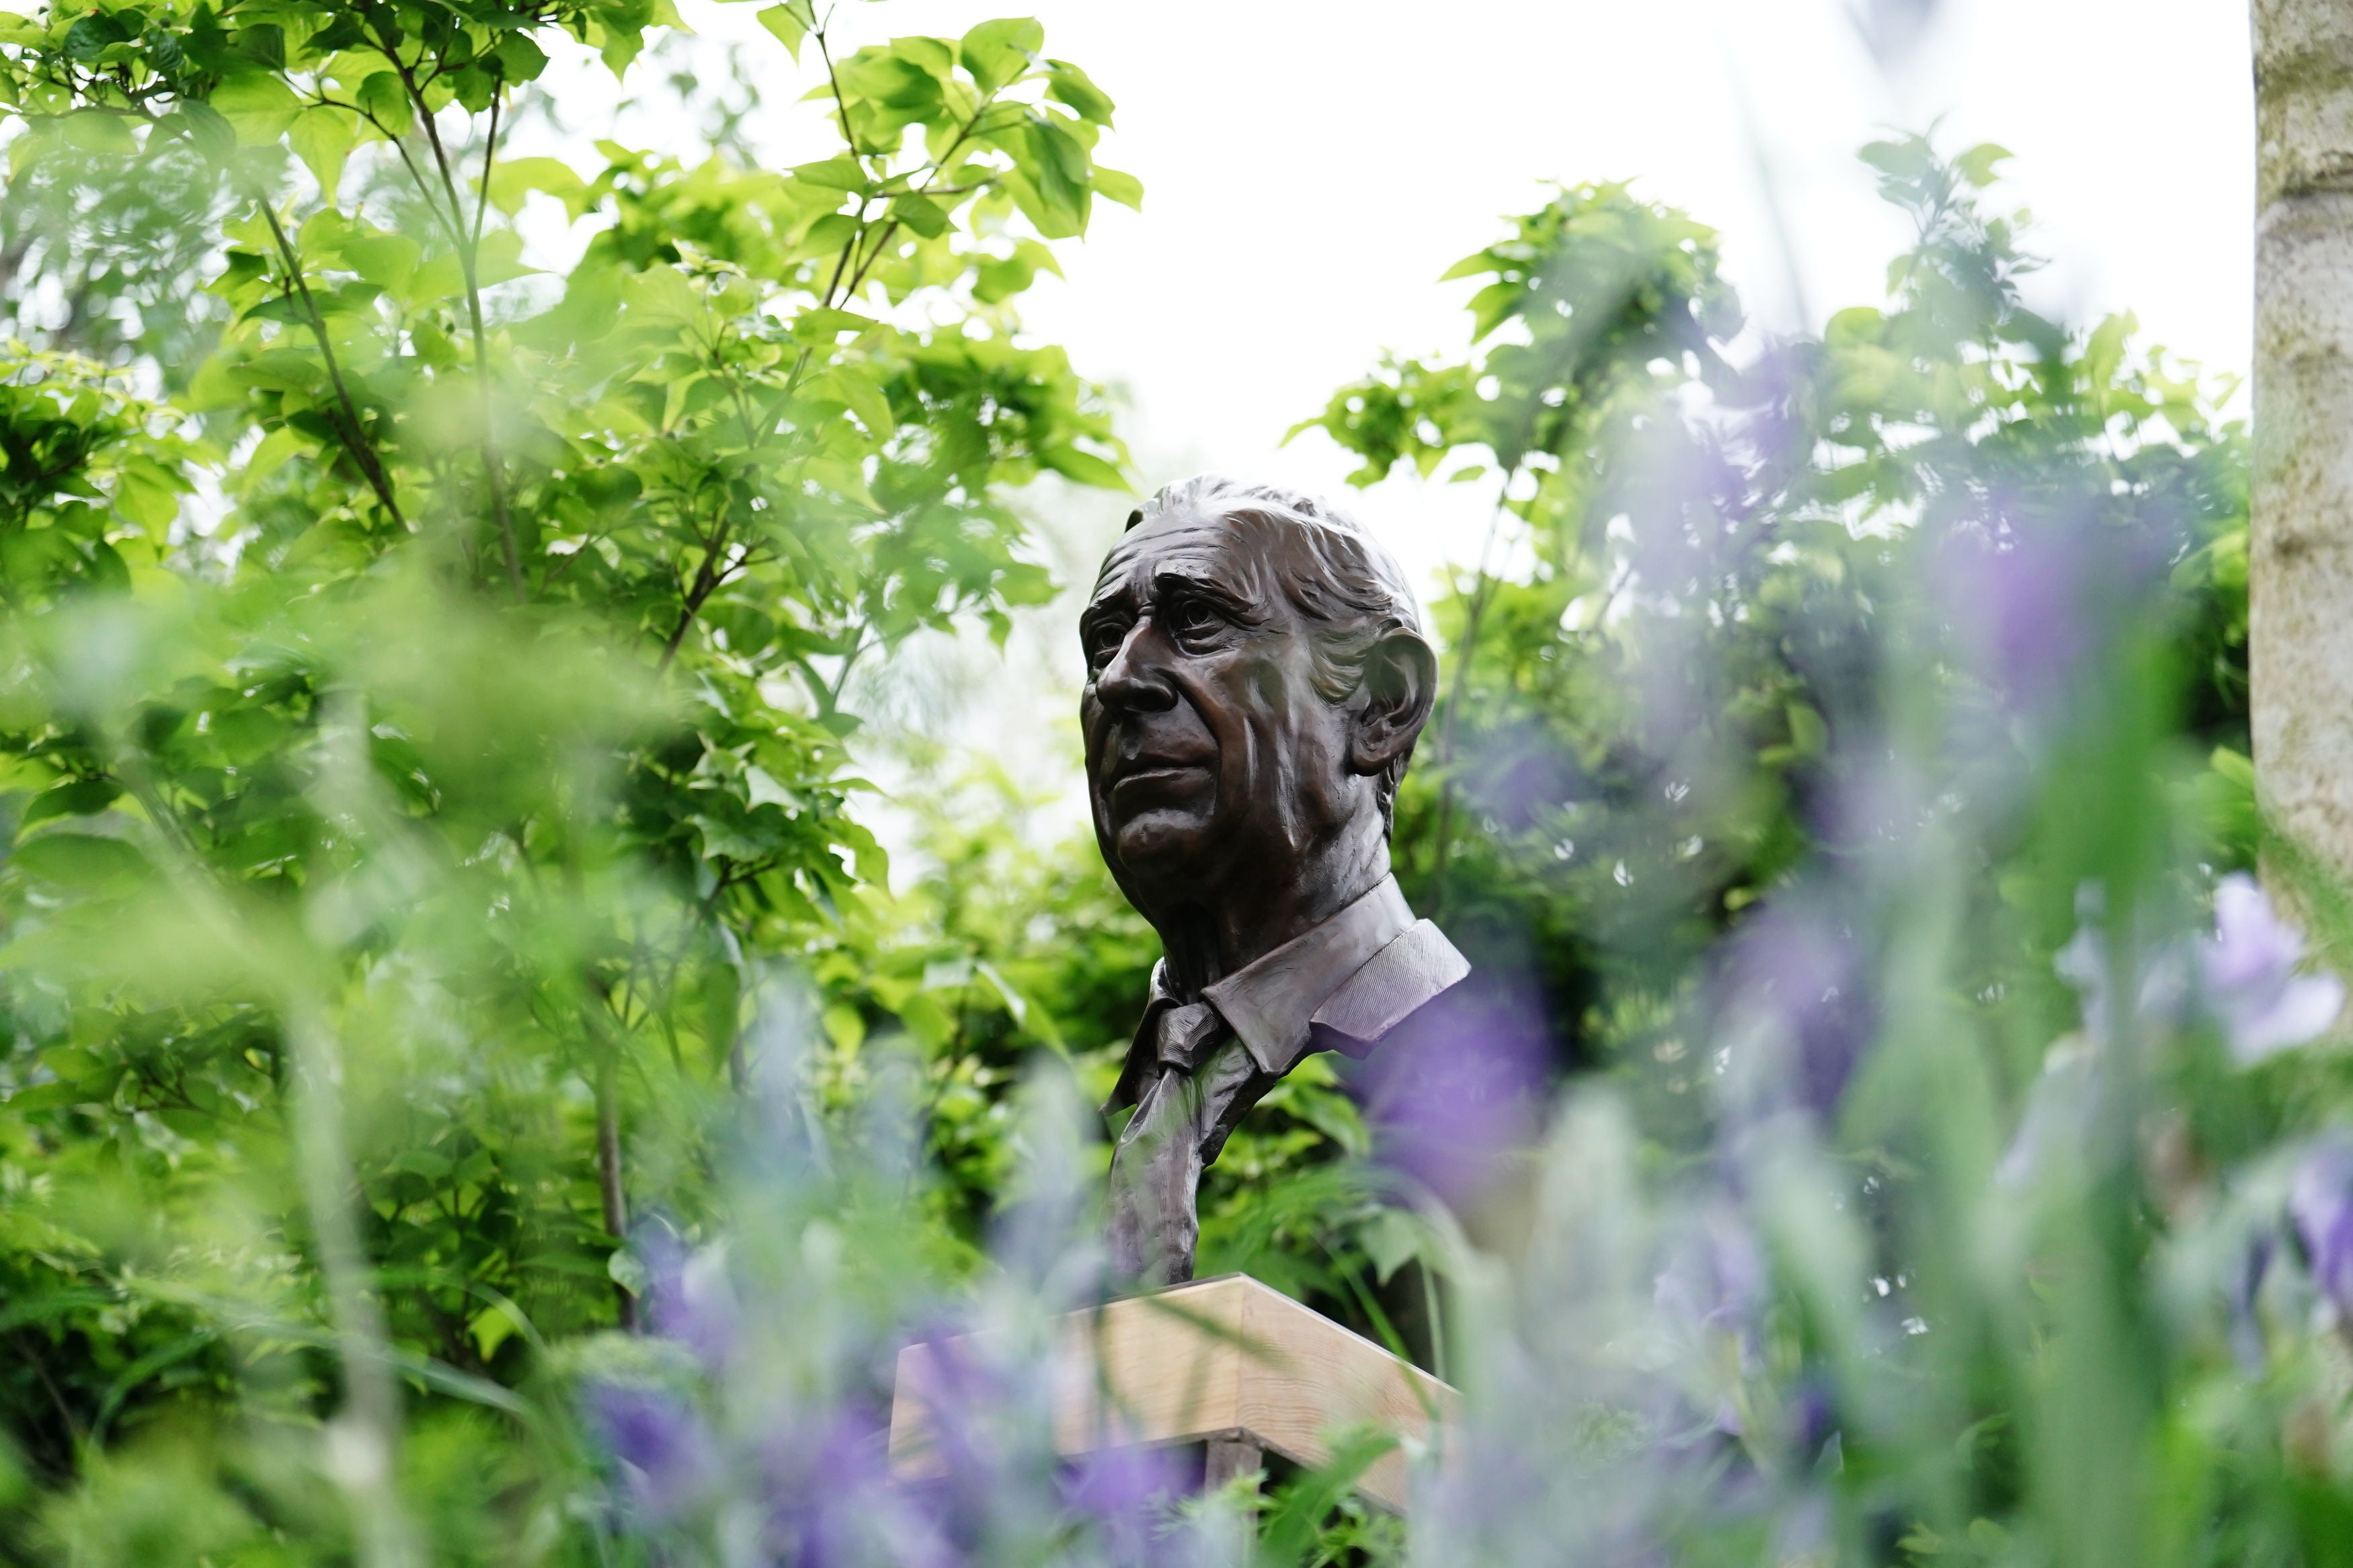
<point>493,466</point>
<point>355,442</point>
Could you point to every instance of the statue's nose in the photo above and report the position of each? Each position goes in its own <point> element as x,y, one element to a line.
<point>1137,679</point>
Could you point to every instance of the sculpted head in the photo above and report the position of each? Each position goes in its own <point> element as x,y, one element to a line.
<point>1256,678</point>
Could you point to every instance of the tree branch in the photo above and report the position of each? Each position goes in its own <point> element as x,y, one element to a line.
<point>355,442</point>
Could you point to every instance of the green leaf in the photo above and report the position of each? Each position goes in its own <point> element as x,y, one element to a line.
<point>1067,84</point>
<point>785,22</point>
<point>323,137</point>
<point>1391,1239</point>
<point>1476,265</point>
<point>96,130</point>
<point>258,107</point>
<point>1977,164</point>
<point>80,860</point>
<point>855,387</point>
<point>919,213</point>
<point>1114,185</point>
<point>389,260</point>
<point>383,97</point>
<point>838,174</point>
<point>1082,467</point>
<point>936,57</point>
<point>521,58</point>
<point>997,280</point>
<point>514,179</point>
<point>75,797</point>
<point>996,52</point>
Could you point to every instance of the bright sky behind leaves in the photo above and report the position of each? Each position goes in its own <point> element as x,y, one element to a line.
<point>1311,167</point>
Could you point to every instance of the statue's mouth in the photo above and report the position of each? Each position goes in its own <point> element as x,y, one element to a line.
<point>1150,772</point>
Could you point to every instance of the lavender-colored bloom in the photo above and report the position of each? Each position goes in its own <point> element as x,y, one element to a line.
<point>1453,1093</point>
<point>1812,1421</point>
<point>1126,1491</point>
<point>969,1403</point>
<point>1713,1285</point>
<point>665,1453</point>
<point>1714,1278</point>
<point>825,1481</point>
<point>687,1296</point>
<point>2320,1207</point>
<point>2016,595</point>
<point>2163,971</point>
<point>1802,976</point>
<point>2250,981</point>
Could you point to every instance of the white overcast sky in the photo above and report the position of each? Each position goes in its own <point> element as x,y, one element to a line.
<point>1311,166</point>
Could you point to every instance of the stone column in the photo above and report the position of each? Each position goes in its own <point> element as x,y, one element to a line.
<point>2301,587</point>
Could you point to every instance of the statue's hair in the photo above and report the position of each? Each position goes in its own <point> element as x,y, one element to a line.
<point>1352,595</point>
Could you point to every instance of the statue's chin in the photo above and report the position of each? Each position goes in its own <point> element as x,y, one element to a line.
<point>1161,844</point>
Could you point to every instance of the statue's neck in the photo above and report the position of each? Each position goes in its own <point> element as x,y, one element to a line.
<point>1209,939</point>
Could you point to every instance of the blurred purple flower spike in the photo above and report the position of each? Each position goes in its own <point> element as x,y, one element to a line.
<point>1127,1492</point>
<point>2320,1207</point>
<point>825,1483</point>
<point>1714,1277</point>
<point>665,1450</point>
<point>688,1297</point>
<point>968,1402</point>
<point>1452,1095</point>
<point>1804,973</point>
<point>2250,981</point>
<point>2016,595</point>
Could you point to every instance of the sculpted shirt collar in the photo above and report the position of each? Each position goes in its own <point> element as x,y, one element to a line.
<point>1339,986</point>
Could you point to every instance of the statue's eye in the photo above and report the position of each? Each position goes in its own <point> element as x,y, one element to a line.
<point>1102,640</point>
<point>1192,617</point>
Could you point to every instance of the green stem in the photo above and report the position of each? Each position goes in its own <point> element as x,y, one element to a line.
<point>347,425</point>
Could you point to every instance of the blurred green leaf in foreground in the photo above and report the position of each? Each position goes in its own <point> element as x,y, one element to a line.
<point>423,728</point>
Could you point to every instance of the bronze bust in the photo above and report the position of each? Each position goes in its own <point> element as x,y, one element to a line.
<point>1256,678</point>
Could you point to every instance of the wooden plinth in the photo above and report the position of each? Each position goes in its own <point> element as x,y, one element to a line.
<point>1228,1362</point>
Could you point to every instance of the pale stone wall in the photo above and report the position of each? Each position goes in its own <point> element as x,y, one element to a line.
<point>2301,638</point>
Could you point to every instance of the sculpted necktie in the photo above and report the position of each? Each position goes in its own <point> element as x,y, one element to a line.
<point>1199,1091</point>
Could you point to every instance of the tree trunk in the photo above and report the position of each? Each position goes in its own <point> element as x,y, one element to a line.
<point>2300,643</point>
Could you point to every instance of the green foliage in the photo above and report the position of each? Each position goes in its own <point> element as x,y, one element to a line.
<point>1642,727</point>
<point>434,848</point>
<point>424,733</point>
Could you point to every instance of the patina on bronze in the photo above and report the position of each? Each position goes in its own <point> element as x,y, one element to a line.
<point>1256,680</point>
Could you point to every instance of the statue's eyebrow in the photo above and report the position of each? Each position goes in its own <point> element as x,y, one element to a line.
<point>1228,601</point>
<point>1111,595</point>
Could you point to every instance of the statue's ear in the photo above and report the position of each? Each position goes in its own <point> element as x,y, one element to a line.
<point>1400,683</point>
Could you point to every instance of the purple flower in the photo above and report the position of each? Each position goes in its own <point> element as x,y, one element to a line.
<point>665,1453</point>
<point>1714,1278</point>
<point>1803,977</point>
<point>688,1298</point>
<point>1126,1491</point>
<point>1812,1421</point>
<point>1453,1093</point>
<point>2015,595</point>
<point>2250,981</point>
<point>826,1483</point>
<point>2162,969</point>
<point>2320,1207</point>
